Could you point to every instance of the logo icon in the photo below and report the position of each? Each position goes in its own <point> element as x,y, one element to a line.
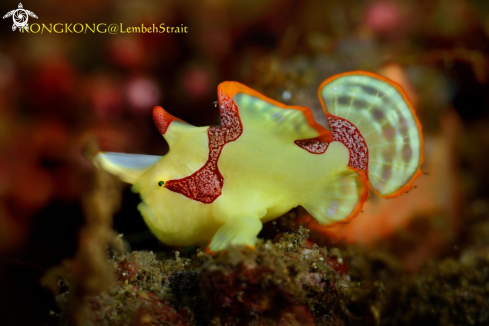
<point>20,16</point>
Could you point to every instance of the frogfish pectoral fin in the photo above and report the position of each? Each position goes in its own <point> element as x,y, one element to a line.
<point>375,112</point>
<point>240,231</point>
<point>128,167</point>
<point>337,198</point>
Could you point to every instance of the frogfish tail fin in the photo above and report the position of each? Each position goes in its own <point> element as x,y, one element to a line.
<point>373,117</point>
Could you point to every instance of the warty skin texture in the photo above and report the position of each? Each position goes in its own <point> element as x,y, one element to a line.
<point>222,183</point>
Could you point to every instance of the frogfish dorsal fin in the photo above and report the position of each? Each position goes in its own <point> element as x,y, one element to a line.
<point>260,112</point>
<point>366,109</point>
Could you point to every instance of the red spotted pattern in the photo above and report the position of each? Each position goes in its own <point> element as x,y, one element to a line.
<point>206,184</point>
<point>162,119</point>
<point>347,133</point>
<point>313,145</point>
<point>343,131</point>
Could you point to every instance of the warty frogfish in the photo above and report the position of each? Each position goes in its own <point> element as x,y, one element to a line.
<point>221,183</point>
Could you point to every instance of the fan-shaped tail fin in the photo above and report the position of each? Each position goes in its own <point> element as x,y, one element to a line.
<point>383,119</point>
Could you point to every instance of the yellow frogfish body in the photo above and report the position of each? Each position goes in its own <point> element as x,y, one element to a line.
<point>221,183</point>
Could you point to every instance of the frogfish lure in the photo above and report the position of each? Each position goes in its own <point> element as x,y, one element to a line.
<point>221,183</point>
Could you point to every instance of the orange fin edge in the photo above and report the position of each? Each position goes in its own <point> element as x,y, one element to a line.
<point>409,185</point>
<point>232,88</point>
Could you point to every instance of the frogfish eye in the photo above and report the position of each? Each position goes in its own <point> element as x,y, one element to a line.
<point>161,183</point>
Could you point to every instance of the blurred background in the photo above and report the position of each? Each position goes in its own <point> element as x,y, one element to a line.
<point>59,92</point>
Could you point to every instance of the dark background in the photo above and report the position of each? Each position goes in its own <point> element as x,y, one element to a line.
<point>59,91</point>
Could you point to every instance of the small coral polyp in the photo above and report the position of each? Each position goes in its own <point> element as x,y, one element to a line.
<point>220,183</point>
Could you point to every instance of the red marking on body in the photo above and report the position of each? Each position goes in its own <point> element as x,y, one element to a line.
<point>313,145</point>
<point>347,133</point>
<point>206,184</point>
<point>343,131</point>
<point>162,119</point>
